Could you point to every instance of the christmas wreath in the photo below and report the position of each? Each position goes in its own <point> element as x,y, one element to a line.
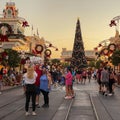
<point>48,52</point>
<point>8,26</point>
<point>112,47</point>
<point>4,37</point>
<point>38,49</point>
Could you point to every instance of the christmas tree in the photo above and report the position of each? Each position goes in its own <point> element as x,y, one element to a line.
<point>78,55</point>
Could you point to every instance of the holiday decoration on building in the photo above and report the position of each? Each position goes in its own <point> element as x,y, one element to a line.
<point>112,23</point>
<point>25,24</point>
<point>5,30</point>
<point>38,49</point>
<point>78,56</point>
<point>47,52</point>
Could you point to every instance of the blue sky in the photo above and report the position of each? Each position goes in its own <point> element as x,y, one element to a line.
<point>56,20</point>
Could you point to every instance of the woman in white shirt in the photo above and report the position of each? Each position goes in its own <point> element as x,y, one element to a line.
<point>30,78</point>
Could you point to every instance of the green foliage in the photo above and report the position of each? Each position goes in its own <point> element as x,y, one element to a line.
<point>55,61</point>
<point>65,64</point>
<point>91,64</point>
<point>13,58</point>
<point>98,64</point>
<point>115,58</point>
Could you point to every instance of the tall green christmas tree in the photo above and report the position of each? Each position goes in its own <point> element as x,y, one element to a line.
<point>78,55</point>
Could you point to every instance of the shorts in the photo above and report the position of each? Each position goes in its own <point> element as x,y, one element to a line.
<point>99,81</point>
<point>106,84</point>
<point>37,90</point>
<point>84,77</point>
<point>78,76</point>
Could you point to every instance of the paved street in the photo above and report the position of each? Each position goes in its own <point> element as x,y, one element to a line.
<point>87,105</point>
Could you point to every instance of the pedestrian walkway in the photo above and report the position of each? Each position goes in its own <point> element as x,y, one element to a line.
<point>81,108</point>
<point>4,88</point>
<point>107,107</point>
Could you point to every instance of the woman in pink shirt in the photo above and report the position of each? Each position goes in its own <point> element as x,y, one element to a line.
<point>68,84</point>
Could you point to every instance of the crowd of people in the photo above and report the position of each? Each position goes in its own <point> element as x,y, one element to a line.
<point>106,78</point>
<point>38,78</point>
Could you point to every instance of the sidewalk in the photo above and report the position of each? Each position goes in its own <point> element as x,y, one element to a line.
<point>5,88</point>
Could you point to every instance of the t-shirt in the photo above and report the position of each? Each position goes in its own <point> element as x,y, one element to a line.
<point>28,80</point>
<point>104,76</point>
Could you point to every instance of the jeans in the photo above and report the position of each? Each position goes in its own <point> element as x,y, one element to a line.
<point>30,92</point>
<point>46,96</point>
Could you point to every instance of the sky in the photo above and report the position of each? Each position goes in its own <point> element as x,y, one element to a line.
<point>56,20</point>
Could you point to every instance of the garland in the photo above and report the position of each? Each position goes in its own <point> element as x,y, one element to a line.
<point>38,49</point>
<point>105,51</point>
<point>47,52</point>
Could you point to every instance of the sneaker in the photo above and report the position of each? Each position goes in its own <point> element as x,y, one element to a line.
<point>105,94</point>
<point>68,97</point>
<point>27,113</point>
<point>110,94</point>
<point>45,105</point>
<point>0,93</point>
<point>37,105</point>
<point>33,113</point>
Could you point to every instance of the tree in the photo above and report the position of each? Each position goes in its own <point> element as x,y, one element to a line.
<point>116,58</point>
<point>55,61</point>
<point>98,64</point>
<point>78,56</point>
<point>91,64</point>
<point>13,59</point>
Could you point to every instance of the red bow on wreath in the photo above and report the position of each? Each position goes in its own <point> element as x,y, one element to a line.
<point>112,23</point>
<point>3,38</point>
<point>25,24</point>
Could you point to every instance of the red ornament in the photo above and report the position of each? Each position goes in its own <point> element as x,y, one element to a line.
<point>3,38</point>
<point>34,52</point>
<point>112,23</point>
<point>23,61</point>
<point>25,24</point>
<point>50,45</point>
<point>4,54</point>
<point>56,49</point>
<point>96,49</point>
<point>99,45</point>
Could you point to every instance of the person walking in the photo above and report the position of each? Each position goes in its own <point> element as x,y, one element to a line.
<point>30,78</point>
<point>1,75</point>
<point>84,76</point>
<point>112,80</point>
<point>105,80</point>
<point>99,79</point>
<point>45,83</point>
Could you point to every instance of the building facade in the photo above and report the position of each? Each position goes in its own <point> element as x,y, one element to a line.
<point>67,54</point>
